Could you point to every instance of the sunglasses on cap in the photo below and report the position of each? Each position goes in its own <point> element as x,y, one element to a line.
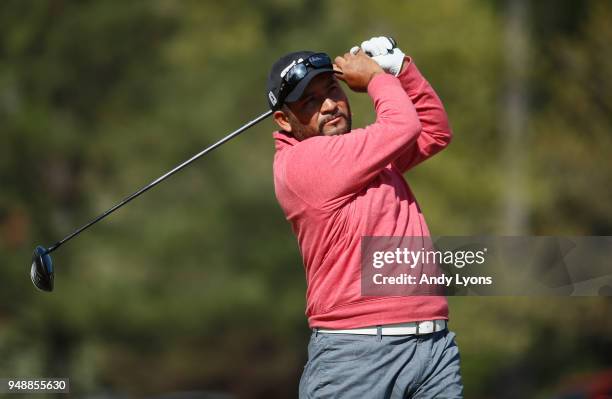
<point>297,70</point>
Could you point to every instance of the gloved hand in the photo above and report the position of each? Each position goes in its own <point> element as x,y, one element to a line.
<point>384,51</point>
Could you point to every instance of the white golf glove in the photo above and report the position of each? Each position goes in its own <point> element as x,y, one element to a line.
<point>384,51</point>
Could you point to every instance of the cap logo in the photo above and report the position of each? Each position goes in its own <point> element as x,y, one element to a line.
<point>288,67</point>
<point>272,98</point>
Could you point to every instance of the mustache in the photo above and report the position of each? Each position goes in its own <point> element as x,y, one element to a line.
<point>328,118</point>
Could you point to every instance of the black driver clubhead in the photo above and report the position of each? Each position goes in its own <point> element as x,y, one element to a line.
<point>42,270</point>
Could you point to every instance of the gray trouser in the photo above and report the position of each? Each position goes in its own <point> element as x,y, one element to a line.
<point>376,366</point>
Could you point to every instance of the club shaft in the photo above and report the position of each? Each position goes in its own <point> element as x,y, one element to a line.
<point>160,179</point>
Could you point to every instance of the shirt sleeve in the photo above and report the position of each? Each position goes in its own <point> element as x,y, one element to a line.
<point>436,132</point>
<point>324,171</point>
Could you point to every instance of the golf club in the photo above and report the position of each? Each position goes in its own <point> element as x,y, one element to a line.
<point>42,273</point>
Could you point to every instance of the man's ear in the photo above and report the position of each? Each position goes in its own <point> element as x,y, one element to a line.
<point>282,121</point>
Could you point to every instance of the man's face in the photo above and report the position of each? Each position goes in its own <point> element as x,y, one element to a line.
<point>323,110</point>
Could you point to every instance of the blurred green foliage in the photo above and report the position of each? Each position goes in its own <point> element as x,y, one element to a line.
<point>199,285</point>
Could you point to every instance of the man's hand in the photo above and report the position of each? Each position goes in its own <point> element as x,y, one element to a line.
<point>384,51</point>
<point>356,70</point>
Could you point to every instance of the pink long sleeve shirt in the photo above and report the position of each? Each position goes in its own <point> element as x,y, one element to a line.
<point>336,189</point>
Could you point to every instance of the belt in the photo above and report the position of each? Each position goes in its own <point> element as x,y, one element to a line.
<point>412,328</point>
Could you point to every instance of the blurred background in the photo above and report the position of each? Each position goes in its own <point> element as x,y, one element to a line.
<point>198,286</point>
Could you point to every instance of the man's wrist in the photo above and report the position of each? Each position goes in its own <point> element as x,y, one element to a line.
<point>379,80</point>
<point>374,74</point>
<point>405,65</point>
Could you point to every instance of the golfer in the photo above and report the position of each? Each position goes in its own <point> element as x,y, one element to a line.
<point>335,185</point>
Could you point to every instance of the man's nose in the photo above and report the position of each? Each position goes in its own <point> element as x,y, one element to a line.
<point>329,106</point>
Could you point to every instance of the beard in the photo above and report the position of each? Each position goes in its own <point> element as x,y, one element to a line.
<point>343,126</point>
<point>302,132</point>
